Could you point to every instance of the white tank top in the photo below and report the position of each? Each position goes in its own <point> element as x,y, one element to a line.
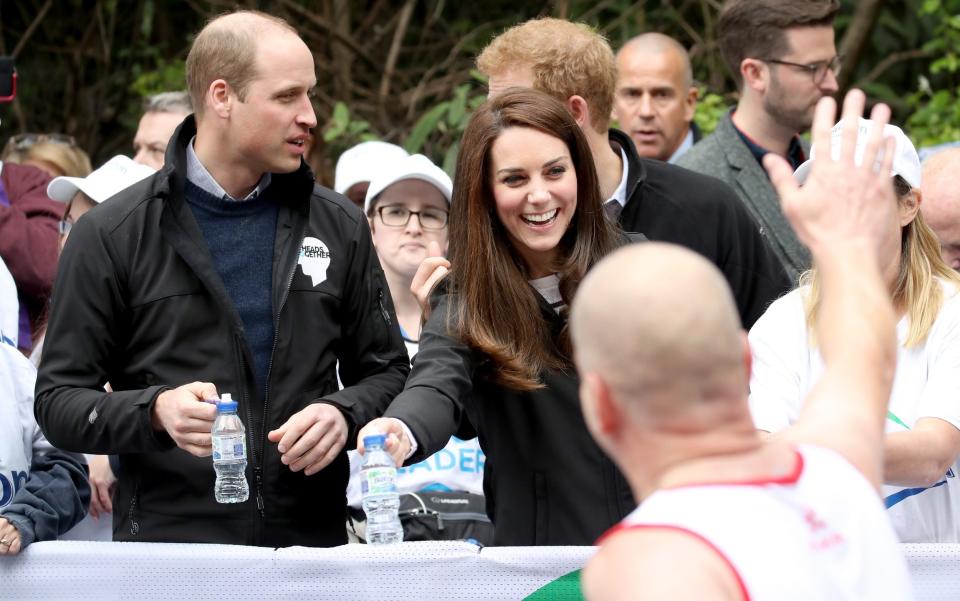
<point>820,533</point>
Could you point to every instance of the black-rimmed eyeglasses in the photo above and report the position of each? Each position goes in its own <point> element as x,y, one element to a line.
<point>399,216</point>
<point>817,70</point>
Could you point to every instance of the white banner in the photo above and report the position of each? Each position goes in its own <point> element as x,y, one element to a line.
<point>77,570</point>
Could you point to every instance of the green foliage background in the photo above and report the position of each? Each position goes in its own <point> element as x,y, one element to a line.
<point>402,70</point>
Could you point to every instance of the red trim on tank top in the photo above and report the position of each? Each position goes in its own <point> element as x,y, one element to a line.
<point>790,478</point>
<point>723,556</point>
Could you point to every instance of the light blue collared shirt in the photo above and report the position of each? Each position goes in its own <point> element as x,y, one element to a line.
<point>198,175</point>
<point>686,145</point>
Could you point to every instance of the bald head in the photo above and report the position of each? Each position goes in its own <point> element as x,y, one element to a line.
<point>648,44</point>
<point>659,320</point>
<point>226,48</point>
<point>941,202</point>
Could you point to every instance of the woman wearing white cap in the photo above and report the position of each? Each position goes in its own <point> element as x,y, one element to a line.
<point>407,204</point>
<point>923,422</point>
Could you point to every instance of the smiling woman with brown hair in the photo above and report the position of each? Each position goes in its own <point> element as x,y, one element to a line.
<point>526,225</point>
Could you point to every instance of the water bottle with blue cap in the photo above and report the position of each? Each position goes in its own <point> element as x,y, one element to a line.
<point>378,485</point>
<point>229,453</point>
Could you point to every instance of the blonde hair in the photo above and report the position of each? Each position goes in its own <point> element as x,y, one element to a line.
<point>917,291</point>
<point>226,48</point>
<point>567,59</point>
<point>70,160</point>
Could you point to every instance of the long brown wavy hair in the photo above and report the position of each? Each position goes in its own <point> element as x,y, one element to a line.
<point>496,311</point>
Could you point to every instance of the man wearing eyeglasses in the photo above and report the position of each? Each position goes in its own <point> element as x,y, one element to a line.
<point>783,56</point>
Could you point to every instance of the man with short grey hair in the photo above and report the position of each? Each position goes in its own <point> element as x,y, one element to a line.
<point>162,113</point>
<point>655,97</point>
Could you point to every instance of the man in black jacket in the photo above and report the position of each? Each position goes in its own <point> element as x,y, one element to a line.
<point>663,202</point>
<point>227,271</point>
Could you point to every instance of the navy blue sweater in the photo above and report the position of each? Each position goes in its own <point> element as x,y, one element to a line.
<point>240,236</point>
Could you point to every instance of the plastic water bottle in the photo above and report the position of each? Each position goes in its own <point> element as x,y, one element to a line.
<point>378,484</point>
<point>229,453</point>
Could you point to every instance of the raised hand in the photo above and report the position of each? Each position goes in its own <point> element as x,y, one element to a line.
<point>431,271</point>
<point>844,201</point>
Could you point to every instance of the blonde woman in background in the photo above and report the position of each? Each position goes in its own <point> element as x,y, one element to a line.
<point>56,154</point>
<point>923,423</point>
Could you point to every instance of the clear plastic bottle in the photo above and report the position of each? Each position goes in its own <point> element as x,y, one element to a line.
<point>378,484</point>
<point>229,453</point>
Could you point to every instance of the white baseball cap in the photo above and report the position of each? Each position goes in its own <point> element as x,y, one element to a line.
<point>906,162</point>
<point>115,175</point>
<point>362,162</point>
<point>415,166</point>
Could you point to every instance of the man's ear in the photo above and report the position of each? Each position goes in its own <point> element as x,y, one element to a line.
<point>754,74</point>
<point>601,410</point>
<point>690,103</point>
<point>580,110</point>
<point>220,98</point>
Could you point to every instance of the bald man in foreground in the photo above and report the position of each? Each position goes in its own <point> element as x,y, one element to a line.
<point>941,202</point>
<point>664,391</point>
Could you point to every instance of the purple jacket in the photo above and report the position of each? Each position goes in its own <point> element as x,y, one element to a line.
<point>28,239</point>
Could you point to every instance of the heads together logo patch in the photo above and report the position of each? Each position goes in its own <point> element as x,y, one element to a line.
<point>314,259</point>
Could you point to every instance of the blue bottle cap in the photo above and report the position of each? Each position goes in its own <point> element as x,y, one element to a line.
<point>226,404</point>
<point>374,440</point>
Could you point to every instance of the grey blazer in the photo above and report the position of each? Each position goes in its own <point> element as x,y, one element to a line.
<point>723,155</point>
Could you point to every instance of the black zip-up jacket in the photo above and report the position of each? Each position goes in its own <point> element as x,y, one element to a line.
<point>138,303</point>
<point>545,480</point>
<point>667,203</point>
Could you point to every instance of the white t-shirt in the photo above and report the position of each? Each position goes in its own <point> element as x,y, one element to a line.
<point>820,533</point>
<point>20,437</point>
<point>927,384</point>
<point>456,467</point>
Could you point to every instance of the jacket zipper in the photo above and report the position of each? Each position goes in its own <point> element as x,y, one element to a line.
<point>383,310</point>
<point>258,472</point>
<point>134,524</point>
<point>257,456</point>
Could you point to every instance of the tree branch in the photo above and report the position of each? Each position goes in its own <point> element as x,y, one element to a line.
<point>891,60</point>
<point>33,27</point>
<point>322,24</point>
<point>855,39</point>
<point>388,69</point>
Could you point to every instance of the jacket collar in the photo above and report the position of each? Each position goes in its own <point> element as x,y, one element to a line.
<point>291,189</point>
<point>636,172</point>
